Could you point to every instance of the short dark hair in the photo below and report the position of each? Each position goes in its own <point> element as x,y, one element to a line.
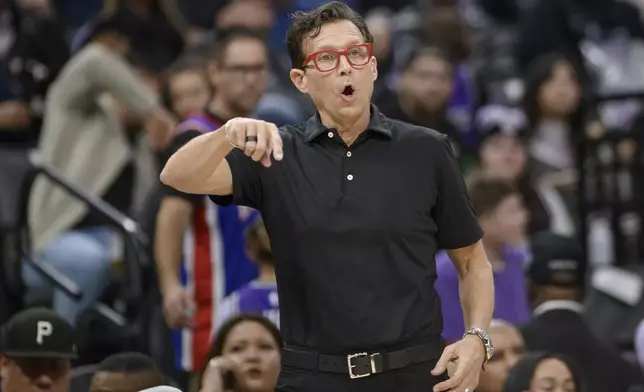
<point>225,37</point>
<point>129,363</point>
<point>308,24</point>
<point>487,194</point>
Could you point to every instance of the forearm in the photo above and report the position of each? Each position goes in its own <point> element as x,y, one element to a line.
<point>168,246</point>
<point>197,167</point>
<point>476,285</point>
<point>476,289</point>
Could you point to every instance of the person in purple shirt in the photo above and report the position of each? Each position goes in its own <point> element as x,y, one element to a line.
<point>260,295</point>
<point>501,214</point>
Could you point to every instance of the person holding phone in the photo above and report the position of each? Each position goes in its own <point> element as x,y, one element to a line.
<point>245,356</point>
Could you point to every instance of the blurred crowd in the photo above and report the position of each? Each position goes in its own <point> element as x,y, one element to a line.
<point>541,99</point>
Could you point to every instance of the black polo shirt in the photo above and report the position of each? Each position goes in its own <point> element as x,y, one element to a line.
<point>354,231</point>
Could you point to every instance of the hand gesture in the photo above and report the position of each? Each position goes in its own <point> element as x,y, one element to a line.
<point>213,375</point>
<point>177,307</point>
<point>258,139</point>
<point>468,354</point>
<point>159,126</point>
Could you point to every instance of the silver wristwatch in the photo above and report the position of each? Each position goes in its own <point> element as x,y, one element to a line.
<point>485,339</point>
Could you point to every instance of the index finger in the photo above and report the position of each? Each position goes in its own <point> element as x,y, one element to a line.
<point>276,143</point>
<point>443,361</point>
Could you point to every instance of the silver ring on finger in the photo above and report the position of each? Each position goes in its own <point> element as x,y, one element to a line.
<point>251,138</point>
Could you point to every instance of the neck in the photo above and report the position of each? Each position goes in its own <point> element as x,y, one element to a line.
<point>348,129</point>
<point>222,109</point>
<point>266,273</point>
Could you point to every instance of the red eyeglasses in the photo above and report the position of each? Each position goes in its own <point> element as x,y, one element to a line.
<point>329,59</point>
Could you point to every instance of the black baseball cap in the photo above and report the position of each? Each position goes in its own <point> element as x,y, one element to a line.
<point>38,333</point>
<point>556,260</point>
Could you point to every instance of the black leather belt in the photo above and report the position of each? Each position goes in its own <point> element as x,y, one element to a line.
<point>361,364</point>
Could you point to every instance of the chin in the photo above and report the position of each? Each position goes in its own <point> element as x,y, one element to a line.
<point>256,385</point>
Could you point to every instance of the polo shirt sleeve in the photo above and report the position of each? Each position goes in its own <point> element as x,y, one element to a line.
<point>247,189</point>
<point>458,226</point>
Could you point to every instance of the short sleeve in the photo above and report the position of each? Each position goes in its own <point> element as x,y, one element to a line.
<point>247,186</point>
<point>458,226</point>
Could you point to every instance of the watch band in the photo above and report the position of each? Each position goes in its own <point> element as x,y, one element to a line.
<point>485,339</point>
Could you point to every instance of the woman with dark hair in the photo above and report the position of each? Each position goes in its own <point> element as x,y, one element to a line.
<point>544,372</point>
<point>245,356</point>
<point>553,105</point>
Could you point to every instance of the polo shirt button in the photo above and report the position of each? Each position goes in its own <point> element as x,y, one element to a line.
<point>330,134</point>
<point>349,154</point>
<point>350,177</point>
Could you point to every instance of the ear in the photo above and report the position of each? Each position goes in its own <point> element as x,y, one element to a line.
<point>374,67</point>
<point>298,77</point>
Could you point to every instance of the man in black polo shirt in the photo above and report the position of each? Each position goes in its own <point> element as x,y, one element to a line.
<point>356,206</point>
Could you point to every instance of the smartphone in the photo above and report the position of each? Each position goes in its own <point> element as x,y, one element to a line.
<point>229,380</point>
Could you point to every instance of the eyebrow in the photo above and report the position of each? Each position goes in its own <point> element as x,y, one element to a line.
<point>336,47</point>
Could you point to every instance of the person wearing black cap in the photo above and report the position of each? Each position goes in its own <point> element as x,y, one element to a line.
<point>556,288</point>
<point>36,350</point>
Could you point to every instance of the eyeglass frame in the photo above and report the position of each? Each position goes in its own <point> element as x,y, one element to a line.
<point>345,52</point>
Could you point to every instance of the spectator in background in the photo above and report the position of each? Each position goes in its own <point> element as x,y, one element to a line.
<point>126,372</point>
<point>36,351</point>
<point>444,27</point>
<point>552,103</point>
<point>84,139</point>
<point>245,356</point>
<point>502,217</point>
<point>33,52</point>
<point>556,288</point>
<point>508,350</point>
<point>379,21</point>
<point>200,246</point>
<point>545,372</point>
<point>259,296</point>
<point>187,88</point>
<point>424,89</point>
<point>502,155</point>
<point>553,106</point>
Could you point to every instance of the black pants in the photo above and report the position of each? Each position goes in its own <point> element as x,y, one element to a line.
<point>414,378</point>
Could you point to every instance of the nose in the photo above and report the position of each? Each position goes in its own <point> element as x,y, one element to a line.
<point>43,382</point>
<point>343,66</point>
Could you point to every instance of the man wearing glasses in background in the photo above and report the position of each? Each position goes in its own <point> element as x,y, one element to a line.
<point>199,247</point>
<point>356,206</point>
<point>36,350</point>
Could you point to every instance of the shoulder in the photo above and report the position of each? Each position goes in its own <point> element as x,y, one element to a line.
<point>430,140</point>
<point>293,132</point>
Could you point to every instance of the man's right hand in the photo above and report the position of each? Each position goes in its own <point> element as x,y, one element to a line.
<point>258,139</point>
<point>178,307</point>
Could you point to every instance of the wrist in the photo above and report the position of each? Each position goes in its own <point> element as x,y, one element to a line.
<point>484,339</point>
<point>168,284</point>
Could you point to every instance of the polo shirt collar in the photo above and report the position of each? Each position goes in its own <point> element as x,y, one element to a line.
<point>377,123</point>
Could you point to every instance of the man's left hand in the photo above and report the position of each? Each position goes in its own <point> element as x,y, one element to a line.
<point>468,354</point>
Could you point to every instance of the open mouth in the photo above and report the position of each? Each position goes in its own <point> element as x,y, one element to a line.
<point>348,92</point>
